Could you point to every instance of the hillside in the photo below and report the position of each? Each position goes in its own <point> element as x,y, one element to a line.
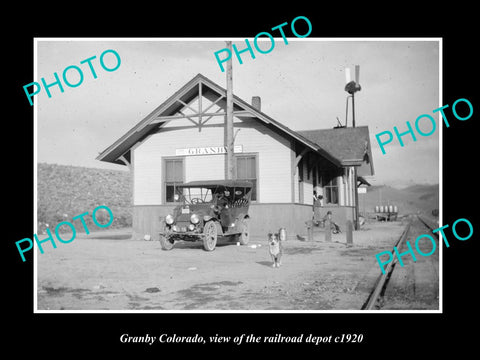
<point>413,199</point>
<point>66,191</point>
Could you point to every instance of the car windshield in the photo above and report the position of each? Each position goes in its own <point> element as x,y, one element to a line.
<point>195,195</point>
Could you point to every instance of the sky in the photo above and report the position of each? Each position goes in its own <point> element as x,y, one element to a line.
<point>301,85</point>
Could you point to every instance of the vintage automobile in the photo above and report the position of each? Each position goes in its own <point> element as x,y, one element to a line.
<point>209,209</point>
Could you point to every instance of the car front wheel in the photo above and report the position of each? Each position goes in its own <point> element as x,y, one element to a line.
<point>210,236</point>
<point>165,243</point>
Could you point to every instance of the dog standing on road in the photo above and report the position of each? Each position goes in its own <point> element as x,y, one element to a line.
<point>275,249</point>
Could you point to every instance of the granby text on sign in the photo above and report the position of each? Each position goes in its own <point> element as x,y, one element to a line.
<point>210,150</point>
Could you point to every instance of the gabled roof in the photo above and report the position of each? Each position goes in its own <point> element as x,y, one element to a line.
<point>350,145</point>
<point>187,93</point>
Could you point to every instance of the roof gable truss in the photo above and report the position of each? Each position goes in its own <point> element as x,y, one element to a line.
<point>181,105</point>
<point>198,104</point>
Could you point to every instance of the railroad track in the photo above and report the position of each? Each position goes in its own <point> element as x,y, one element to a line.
<point>375,300</point>
<point>428,224</point>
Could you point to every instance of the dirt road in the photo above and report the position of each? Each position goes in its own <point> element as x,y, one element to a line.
<point>107,274</point>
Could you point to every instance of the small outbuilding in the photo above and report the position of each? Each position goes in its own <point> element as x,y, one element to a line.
<point>183,140</point>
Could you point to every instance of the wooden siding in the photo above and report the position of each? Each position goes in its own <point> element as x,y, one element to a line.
<point>147,174</point>
<point>147,220</point>
<point>303,193</point>
<point>274,167</point>
<point>341,190</point>
<point>307,187</point>
<point>263,218</point>
<point>204,167</point>
<point>296,191</point>
<point>272,150</point>
<point>350,186</point>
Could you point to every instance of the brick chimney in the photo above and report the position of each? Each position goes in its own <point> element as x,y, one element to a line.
<point>257,102</point>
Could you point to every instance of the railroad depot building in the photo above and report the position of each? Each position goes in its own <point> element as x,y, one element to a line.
<point>183,140</point>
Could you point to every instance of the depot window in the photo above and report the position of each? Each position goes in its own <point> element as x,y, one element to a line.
<point>174,175</point>
<point>331,191</point>
<point>247,170</point>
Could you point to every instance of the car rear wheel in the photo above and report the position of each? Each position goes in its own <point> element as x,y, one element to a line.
<point>210,236</point>
<point>244,237</point>
<point>165,243</point>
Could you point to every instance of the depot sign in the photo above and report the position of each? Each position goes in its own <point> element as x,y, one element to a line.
<point>210,150</point>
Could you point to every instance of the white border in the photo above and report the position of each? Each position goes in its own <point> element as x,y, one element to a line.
<point>373,39</point>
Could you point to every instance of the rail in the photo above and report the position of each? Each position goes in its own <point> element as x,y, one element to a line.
<point>429,225</point>
<point>382,280</point>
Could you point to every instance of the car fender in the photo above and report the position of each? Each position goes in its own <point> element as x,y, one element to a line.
<point>219,228</point>
<point>163,226</point>
<point>207,218</point>
<point>239,222</point>
<point>240,217</point>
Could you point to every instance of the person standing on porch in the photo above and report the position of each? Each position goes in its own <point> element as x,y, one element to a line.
<point>316,205</point>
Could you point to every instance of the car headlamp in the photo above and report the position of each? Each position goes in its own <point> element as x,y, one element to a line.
<point>169,219</point>
<point>194,219</point>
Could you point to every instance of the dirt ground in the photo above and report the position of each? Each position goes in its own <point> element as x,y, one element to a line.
<point>416,284</point>
<point>108,272</point>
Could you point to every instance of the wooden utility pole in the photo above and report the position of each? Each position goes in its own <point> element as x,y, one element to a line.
<point>355,177</point>
<point>352,87</point>
<point>229,120</point>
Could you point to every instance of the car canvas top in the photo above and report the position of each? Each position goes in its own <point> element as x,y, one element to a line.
<point>215,183</point>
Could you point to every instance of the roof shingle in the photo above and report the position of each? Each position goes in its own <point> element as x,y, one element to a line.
<point>350,145</point>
